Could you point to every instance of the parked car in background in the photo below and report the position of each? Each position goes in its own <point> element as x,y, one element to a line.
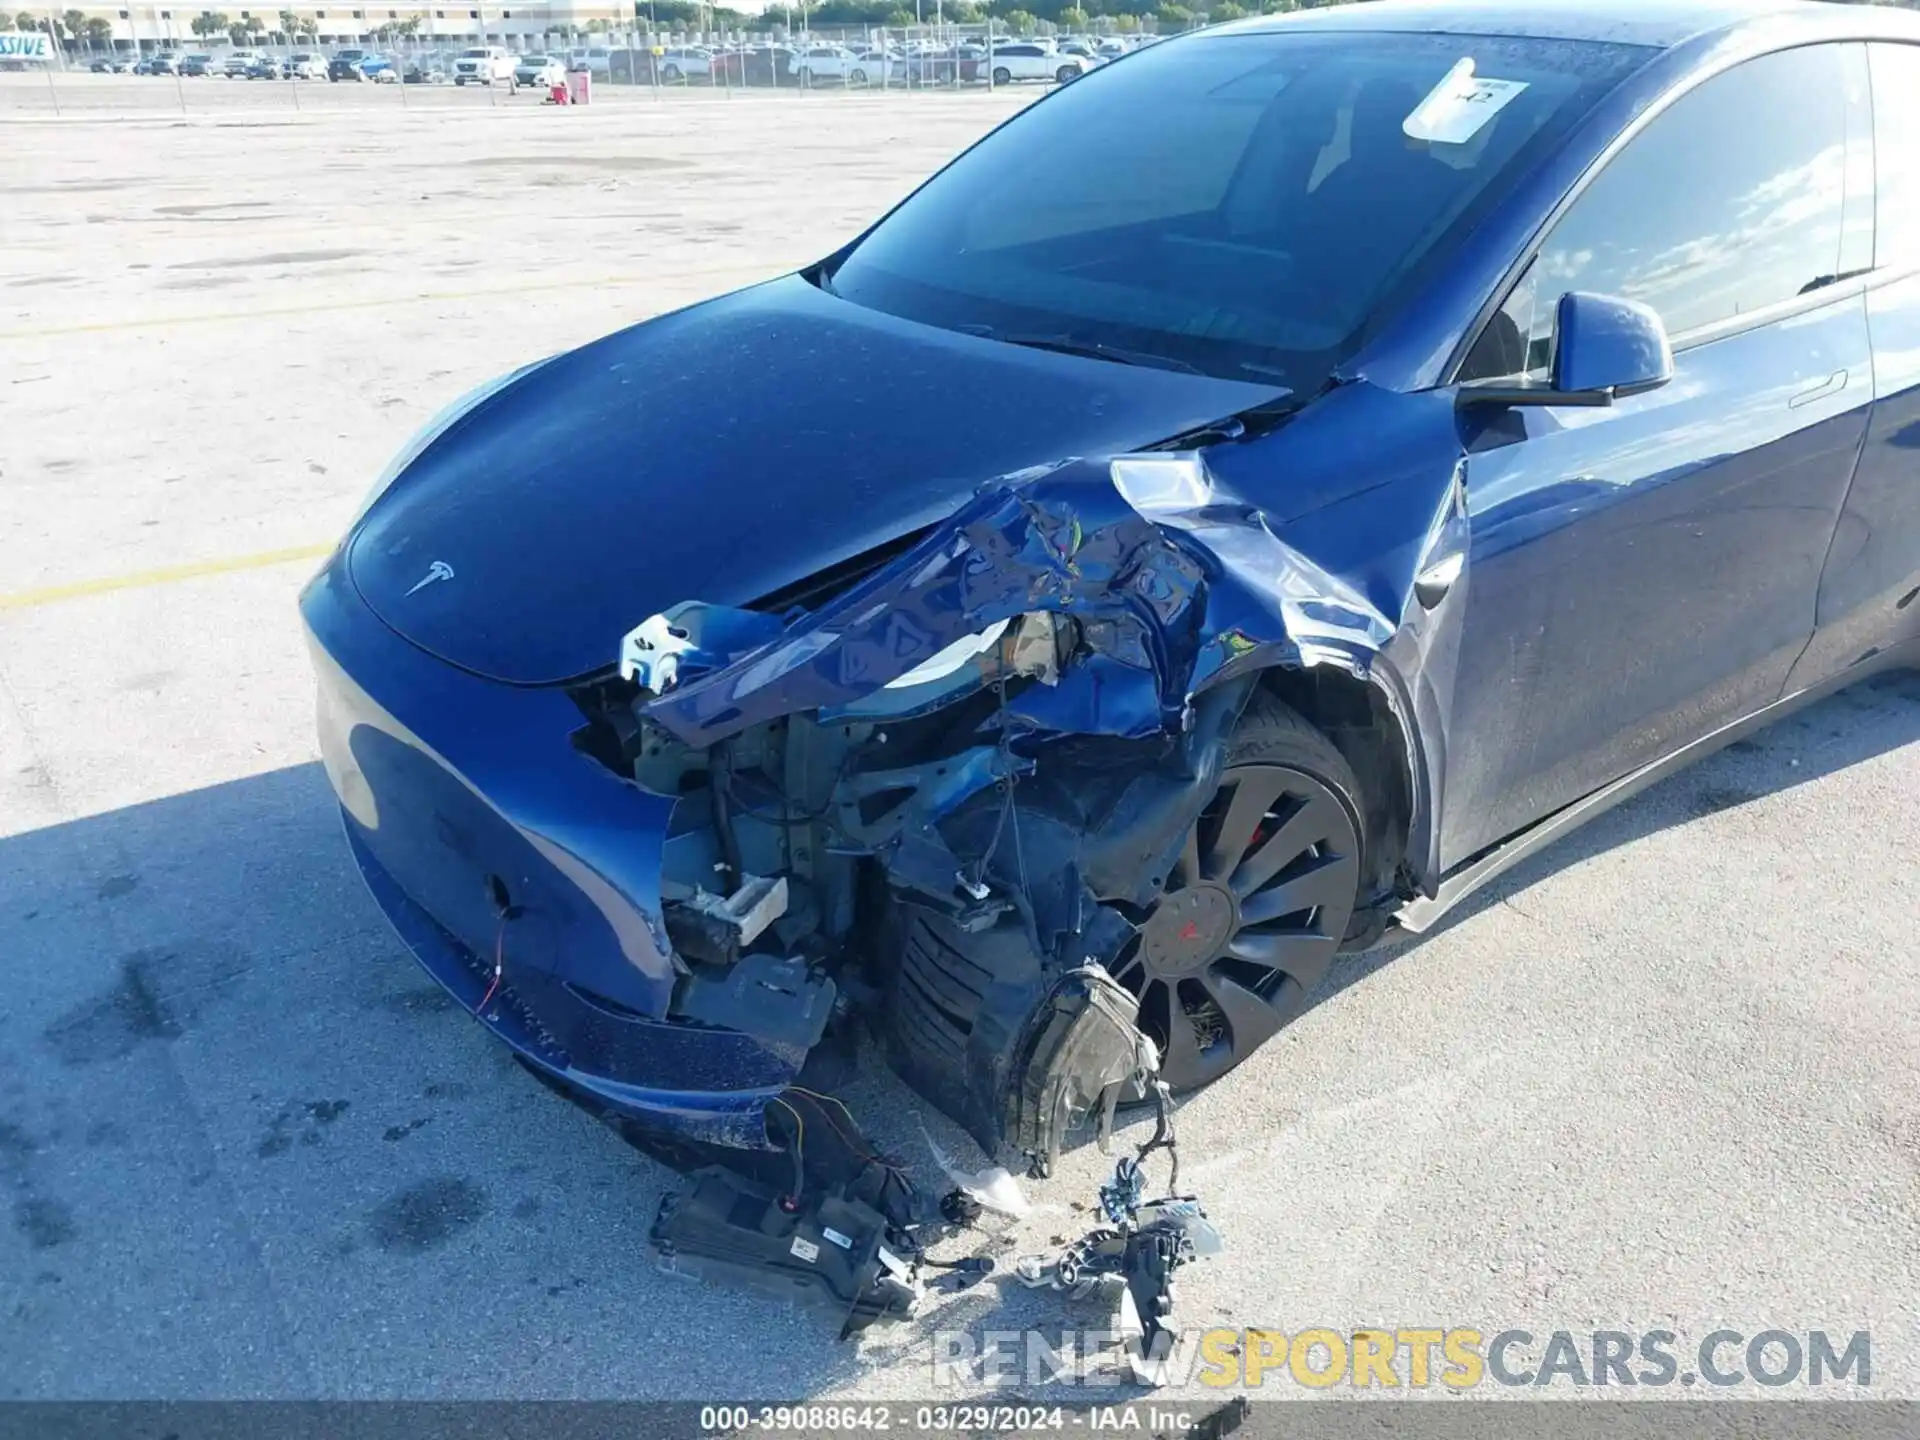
<point>426,70</point>
<point>758,65</point>
<point>484,65</point>
<point>1113,49</point>
<point>542,72</point>
<point>380,69</point>
<point>306,66</point>
<point>267,67</point>
<point>199,64</point>
<point>686,62</point>
<point>345,65</point>
<point>166,62</point>
<point>936,65</point>
<point>111,65</point>
<point>877,67</point>
<point>1081,48</point>
<point>235,64</point>
<point>827,63</point>
<point>1032,60</point>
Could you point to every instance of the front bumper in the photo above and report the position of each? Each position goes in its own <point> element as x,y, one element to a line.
<point>483,834</point>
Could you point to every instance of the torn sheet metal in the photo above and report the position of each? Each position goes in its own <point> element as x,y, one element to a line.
<point>1170,601</point>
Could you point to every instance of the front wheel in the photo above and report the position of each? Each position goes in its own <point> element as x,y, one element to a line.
<point>1240,934</point>
<point>671,74</point>
<point>1002,75</point>
<point>858,77</point>
<point>1066,73</point>
<point>1247,925</point>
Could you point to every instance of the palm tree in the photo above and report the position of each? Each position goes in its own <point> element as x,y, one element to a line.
<point>289,24</point>
<point>309,27</point>
<point>99,33</point>
<point>208,24</point>
<point>74,22</point>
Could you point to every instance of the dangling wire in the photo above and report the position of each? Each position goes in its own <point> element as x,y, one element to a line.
<point>1008,806</point>
<point>798,1150</point>
<point>499,964</point>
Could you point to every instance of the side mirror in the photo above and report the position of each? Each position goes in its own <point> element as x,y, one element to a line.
<point>1605,347</point>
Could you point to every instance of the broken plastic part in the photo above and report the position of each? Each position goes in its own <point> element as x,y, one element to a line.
<point>690,637</point>
<point>826,1250</point>
<point>716,928</point>
<point>1081,1043</point>
<point>773,997</point>
<point>992,1188</point>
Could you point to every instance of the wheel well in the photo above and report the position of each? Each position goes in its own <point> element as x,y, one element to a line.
<point>1354,715</point>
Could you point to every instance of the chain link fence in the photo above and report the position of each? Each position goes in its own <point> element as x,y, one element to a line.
<point>422,69</point>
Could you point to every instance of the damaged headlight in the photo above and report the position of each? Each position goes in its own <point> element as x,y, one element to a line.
<point>434,429</point>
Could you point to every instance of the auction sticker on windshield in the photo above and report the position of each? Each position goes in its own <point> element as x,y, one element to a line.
<point>1460,106</point>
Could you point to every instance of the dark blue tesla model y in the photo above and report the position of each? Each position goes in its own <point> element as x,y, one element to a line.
<point>1247,501</point>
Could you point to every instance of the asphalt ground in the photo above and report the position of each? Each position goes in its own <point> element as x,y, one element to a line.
<point>1662,1077</point>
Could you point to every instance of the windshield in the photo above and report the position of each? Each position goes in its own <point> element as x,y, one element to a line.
<point>1247,205</point>
<point>473,54</point>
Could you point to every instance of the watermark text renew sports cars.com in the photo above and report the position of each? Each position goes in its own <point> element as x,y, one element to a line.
<point>1414,1358</point>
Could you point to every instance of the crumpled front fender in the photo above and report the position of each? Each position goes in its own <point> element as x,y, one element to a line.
<point>1171,599</point>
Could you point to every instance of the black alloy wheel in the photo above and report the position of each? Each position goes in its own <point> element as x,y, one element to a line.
<point>1248,922</point>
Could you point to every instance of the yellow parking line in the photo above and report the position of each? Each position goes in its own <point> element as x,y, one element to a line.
<point>165,575</point>
<point>94,327</point>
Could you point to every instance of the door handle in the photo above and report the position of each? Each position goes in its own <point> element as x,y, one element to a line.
<point>1832,385</point>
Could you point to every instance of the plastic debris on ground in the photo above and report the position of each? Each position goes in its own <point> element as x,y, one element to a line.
<point>1141,1246</point>
<point>993,1188</point>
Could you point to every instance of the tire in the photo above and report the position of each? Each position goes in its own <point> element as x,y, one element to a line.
<point>937,991</point>
<point>1002,75</point>
<point>459,82</point>
<point>1065,74</point>
<point>858,77</point>
<point>942,972</point>
<point>670,74</point>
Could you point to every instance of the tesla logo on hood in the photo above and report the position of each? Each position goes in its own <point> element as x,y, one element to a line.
<point>438,570</point>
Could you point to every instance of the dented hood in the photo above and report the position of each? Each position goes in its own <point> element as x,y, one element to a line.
<point>723,453</point>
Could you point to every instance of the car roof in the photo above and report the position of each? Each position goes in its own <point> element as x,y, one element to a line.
<point>1661,24</point>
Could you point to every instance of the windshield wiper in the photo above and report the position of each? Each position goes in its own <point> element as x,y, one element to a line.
<point>1092,349</point>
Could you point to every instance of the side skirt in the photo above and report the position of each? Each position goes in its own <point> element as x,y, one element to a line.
<point>1423,912</point>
